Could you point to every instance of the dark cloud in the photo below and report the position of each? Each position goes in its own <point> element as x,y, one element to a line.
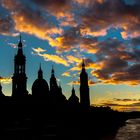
<point>54,5</point>
<point>117,62</point>
<point>114,13</point>
<point>97,16</point>
<point>135,105</point>
<point>111,104</point>
<point>61,9</point>
<point>125,100</point>
<point>6,22</point>
<point>129,75</point>
<point>6,25</point>
<point>72,38</point>
<point>109,67</point>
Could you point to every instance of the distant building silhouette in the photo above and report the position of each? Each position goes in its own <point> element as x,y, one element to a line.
<point>19,79</point>
<point>40,86</point>
<point>84,88</point>
<point>73,100</point>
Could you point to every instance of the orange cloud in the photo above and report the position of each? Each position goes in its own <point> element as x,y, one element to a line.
<point>73,59</point>
<point>87,31</point>
<point>67,74</point>
<point>90,83</point>
<point>88,2</point>
<point>89,64</point>
<point>54,58</point>
<point>30,21</point>
<point>27,26</point>
<point>39,50</point>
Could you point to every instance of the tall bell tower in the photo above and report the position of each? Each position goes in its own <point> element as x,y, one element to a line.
<point>84,88</point>
<point>19,79</point>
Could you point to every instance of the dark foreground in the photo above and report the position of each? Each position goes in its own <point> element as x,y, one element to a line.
<point>36,120</point>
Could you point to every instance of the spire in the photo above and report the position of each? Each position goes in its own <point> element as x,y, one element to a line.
<point>83,64</point>
<point>40,73</point>
<point>20,37</point>
<point>20,51</point>
<point>52,70</point>
<point>73,100</point>
<point>40,67</point>
<point>20,42</point>
<point>73,91</point>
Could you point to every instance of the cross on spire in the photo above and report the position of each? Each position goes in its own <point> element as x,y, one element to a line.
<point>20,42</point>
<point>83,63</point>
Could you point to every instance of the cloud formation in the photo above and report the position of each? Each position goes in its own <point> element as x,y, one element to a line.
<point>81,27</point>
<point>96,17</point>
<point>50,57</point>
<point>90,83</point>
<point>123,104</point>
<point>29,20</point>
<point>117,13</point>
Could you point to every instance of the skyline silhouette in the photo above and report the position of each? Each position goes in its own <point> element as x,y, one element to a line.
<point>52,92</point>
<point>114,103</point>
<point>69,69</point>
<point>47,114</point>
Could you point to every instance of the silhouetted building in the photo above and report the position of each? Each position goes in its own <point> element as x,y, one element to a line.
<point>19,78</point>
<point>84,88</point>
<point>73,100</point>
<point>53,84</point>
<point>40,86</point>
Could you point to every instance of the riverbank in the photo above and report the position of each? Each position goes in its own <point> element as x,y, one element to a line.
<point>96,123</point>
<point>39,121</point>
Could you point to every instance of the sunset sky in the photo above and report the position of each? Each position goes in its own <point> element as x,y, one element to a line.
<point>106,33</point>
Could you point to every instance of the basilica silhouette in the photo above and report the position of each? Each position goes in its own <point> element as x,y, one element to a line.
<point>52,92</point>
<point>46,113</point>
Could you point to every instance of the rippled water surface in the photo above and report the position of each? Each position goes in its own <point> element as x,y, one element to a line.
<point>131,131</point>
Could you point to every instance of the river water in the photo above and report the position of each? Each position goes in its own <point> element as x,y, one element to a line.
<point>131,131</point>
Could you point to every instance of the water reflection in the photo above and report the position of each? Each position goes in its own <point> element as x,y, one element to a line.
<point>131,131</point>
